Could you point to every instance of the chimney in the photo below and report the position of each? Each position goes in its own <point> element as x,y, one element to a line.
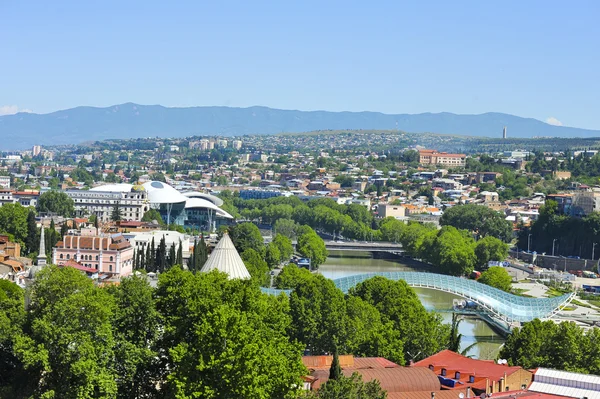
<point>432,395</point>
<point>468,392</point>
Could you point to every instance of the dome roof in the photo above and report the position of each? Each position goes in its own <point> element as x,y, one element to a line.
<point>114,188</point>
<point>162,193</point>
<point>202,203</point>
<point>225,258</point>
<point>209,197</point>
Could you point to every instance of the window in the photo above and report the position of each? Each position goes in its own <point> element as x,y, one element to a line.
<point>111,259</point>
<point>68,256</point>
<point>110,268</point>
<point>61,256</point>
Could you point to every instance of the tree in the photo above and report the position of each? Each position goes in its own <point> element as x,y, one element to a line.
<point>13,221</point>
<point>136,326</point>
<point>455,336</point>
<point>69,350</point>
<point>285,227</point>
<point>152,215</point>
<point>179,259</point>
<point>335,371</point>
<point>256,265</point>
<point>32,240</point>
<point>479,219</point>
<point>224,339</point>
<point>311,246</point>
<point>451,251</point>
<point>318,311</point>
<point>291,275</point>
<point>57,202</point>
<point>422,332</point>
<point>285,247</point>
<point>273,256</point>
<point>351,387</point>
<point>490,249</point>
<point>497,277</point>
<point>115,215</point>
<point>247,236</point>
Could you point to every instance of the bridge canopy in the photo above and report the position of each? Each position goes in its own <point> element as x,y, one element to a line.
<point>506,306</point>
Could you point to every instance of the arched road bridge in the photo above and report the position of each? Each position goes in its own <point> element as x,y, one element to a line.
<point>504,306</point>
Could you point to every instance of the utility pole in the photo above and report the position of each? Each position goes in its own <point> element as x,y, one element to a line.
<point>553,241</point>
<point>528,241</point>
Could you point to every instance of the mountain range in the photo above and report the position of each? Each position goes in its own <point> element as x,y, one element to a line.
<point>76,125</point>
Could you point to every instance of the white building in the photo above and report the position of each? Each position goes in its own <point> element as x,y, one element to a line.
<point>5,181</point>
<point>100,201</point>
<point>237,144</point>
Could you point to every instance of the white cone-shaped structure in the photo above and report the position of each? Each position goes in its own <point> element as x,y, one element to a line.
<point>225,258</point>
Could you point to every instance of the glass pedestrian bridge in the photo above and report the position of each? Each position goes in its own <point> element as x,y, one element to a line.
<point>507,307</point>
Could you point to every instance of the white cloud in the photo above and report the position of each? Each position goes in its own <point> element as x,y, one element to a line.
<point>12,109</point>
<point>553,121</point>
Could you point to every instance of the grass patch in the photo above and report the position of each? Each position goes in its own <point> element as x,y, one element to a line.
<point>578,303</point>
<point>552,292</point>
<point>594,302</point>
<point>520,292</point>
<point>567,308</point>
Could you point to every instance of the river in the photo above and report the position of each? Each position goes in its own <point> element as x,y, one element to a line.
<point>478,338</point>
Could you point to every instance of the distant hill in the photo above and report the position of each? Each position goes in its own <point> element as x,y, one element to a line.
<point>75,125</point>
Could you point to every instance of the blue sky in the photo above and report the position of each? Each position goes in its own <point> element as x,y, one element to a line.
<point>537,59</point>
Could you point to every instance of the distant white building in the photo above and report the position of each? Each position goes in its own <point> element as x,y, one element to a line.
<point>5,181</point>
<point>141,240</point>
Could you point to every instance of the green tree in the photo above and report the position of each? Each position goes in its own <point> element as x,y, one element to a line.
<point>56,202</point>
<point>247,236</point>
<point>291,275</point>
<point>479,219</point>
<point>136,326</point>
<point>32,240</point>
<point>285,247</point>
<point>455,336</point>
<point>310,245</point>
<point>273,256</point>
<point>256,265</point>
<point>451,251</point>
<point>490,248</point>
<point>422,332</point>
<point>13,221</point>
<point>69,350</point>
<point>335,371</point>
<point>318,311</point>
<point>351,387</point>
<point>224,339</point>
<point>497,277</point>
<point>115,214</point>
<point>152,215</point>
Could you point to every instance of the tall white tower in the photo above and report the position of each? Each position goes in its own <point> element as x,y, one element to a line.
<point>504,133</point>
<point>41,258</point>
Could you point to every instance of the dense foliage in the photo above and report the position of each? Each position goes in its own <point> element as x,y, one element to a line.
<point>196,335</point>
<point>563,346</point>
<point>497,277</point>
<point>574,236</point>
<point>57,202</point>
<point>480,220</point>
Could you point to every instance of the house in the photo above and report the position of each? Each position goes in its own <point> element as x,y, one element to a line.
<point>109,255</point>
<point>395,211</point>
<point>480,376</point>
<point>433,157</point>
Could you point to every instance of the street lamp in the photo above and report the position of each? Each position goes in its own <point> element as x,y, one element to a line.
<point>593,248</point>
<point>553,241</point>
<point>528,241</point>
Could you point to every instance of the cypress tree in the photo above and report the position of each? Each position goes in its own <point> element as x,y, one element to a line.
<point>161,255</point>
<point>335,371</point>
<point>64,229</point>
<point>148,259</point>
<point>32,233</point>
<point>179,260</point>
<point>172,256</point>
<point>153,256</point>
<point>192,261</point>
<point>202,253</point>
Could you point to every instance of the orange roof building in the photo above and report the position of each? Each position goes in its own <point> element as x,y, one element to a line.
<point>112,255</point>
<point>481,376</point>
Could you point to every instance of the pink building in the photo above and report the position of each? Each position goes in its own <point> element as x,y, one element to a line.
<point>112,255</point>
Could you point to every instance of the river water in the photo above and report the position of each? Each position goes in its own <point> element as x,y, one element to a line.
<point>478,338</point>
